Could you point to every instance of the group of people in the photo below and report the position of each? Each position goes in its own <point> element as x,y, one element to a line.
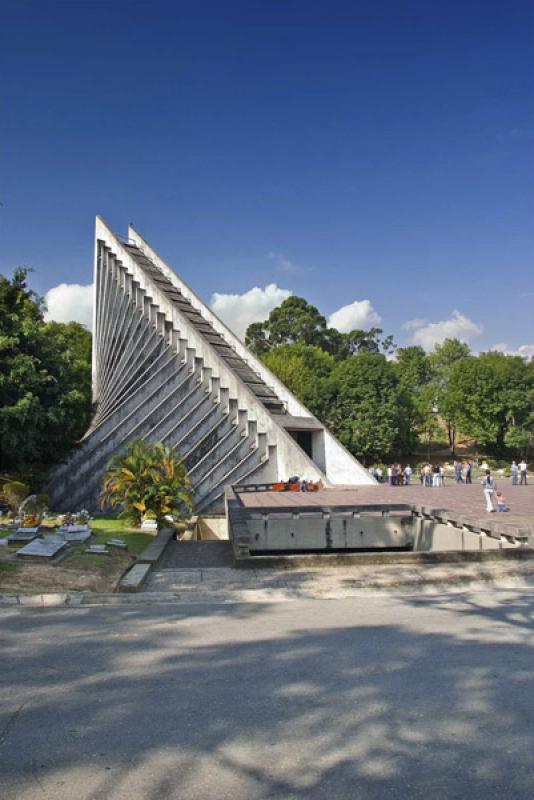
<point>396,474</point>
<point>518,472</point>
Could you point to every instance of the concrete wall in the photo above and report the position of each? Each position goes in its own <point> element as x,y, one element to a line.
<point>321,531</point>
<point>254,531</point>
<point>433,536</point>
<point>337,464</point>
<point>213,527</point>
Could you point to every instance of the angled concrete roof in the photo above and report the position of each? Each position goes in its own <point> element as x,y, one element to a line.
<point>166,368</point>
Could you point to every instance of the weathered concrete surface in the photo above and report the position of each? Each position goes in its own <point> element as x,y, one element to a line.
<point>183,554</point>
<point>397,697</point>
<point>153,552</point>
<point>135,578</point>
<point>461,499</point>
<point>227,584</point>
<point>166,369</point>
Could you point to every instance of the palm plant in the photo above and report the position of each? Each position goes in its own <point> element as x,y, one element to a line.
<point>150,478</point>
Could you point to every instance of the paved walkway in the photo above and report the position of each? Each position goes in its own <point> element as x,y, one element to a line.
<point>468,500</point>
<point>230,585</point>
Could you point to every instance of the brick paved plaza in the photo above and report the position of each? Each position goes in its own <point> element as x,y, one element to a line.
<point>469,500</point>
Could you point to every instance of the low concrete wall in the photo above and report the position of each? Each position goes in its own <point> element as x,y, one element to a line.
<point>381,527</point>
<point>212,527</point>
<point>438,536</point>
<point>297,532</point>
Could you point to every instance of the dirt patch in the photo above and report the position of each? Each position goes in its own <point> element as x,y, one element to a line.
<point>77,572</point>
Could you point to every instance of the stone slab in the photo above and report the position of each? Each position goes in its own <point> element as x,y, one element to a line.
<point>22,535</point>
<point>77,536</point>
<point>120,543</point>
<point>74,529</point>
<point>134,579</point>
<point>97,549</point>
<point>45,548</point>
<point>154,551</point>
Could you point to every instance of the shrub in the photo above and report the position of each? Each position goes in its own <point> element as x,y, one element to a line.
<point>150,479</point>
<point>15,493</point>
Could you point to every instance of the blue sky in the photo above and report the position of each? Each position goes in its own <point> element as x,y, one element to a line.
<point>346,151</point>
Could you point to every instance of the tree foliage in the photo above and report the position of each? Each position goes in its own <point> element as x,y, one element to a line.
<point>149,479</point>
<point>378,408</point>
<point>45,379</point>
<point>299,366</point>
<point>15,492</point>
<point>296,321</point>
<point>360,402</point>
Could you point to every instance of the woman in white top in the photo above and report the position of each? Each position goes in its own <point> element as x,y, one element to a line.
<point>488,485</point>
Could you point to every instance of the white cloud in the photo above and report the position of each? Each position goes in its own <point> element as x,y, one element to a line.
<point>413,324</point>
<point>524,350</point>
<point>358,315</point>
<point>238,311</point>
<point>70,302</point>
<point>429,334</point>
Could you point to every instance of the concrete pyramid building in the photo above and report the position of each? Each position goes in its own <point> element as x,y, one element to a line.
<point>165,368</point>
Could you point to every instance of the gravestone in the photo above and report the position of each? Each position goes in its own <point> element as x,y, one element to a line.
<point>120,543</point>
<point>45,548</point>
<point>97,549</point>
<point>23,535</point>
<point>75,529</point>
<point>76,536</point>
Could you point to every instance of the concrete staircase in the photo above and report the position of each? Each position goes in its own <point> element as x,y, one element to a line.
<point>165,370</point>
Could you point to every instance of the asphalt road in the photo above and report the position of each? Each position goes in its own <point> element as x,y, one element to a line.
<point>364,698</point>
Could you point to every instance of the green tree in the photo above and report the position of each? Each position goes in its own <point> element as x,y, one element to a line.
<point>299,366</point>
<point>149,479</point>
<point>370,341</point>
<point>416,378</point>
<point>360,402</point>
<point>488,396</point>
<point>294,321</point>
<point>446,358</point>
<point>45,380</point>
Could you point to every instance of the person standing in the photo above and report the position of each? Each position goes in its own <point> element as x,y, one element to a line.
<point>407,474</point>
<point>488,485</point>
<point>390,475</point>
<point>523,473</point>
<point>514,469</point>
<point>458,471</point>
<point>469,472</point>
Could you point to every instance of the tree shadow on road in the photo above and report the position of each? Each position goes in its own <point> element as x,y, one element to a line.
<point>306,701</point>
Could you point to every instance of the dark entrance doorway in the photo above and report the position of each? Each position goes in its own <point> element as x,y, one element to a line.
<point>304,440</point>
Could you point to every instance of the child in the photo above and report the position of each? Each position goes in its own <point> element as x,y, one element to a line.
<point>501,502</point>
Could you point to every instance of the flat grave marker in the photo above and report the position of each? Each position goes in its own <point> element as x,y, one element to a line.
<point>97,549</point>
<point>45,548</point>
<point>23,535</point>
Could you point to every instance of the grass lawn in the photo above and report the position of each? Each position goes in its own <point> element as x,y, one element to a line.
<point>103,528</point>
<point>79,571</point>
<point>106,527</point>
